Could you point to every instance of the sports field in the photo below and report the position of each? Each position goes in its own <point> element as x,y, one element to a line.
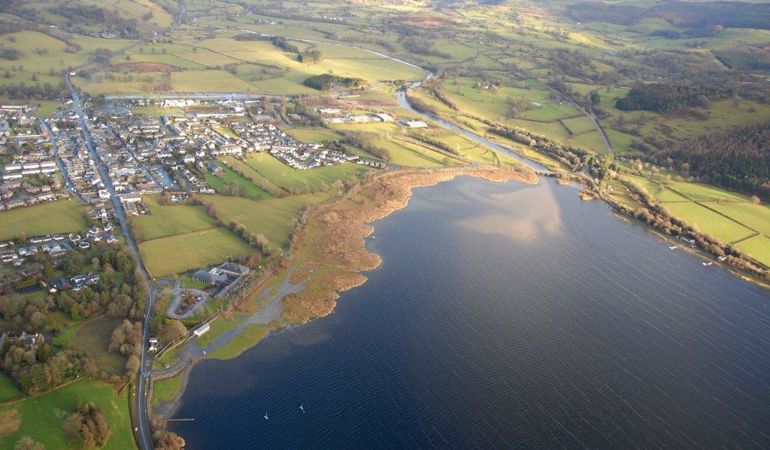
<point>199,249</point>
<point>169,220</point>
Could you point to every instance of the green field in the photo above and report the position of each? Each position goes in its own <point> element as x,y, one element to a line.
<point>65,338</point>
<point>42,417</point>
<point>253,176</point>
<point>579,125</point>
<point>728,216</point>
<point>705,193</point>
<point>758,247</point>
<point>94,336</point>
<point>222,182</point>
<point>169,220</point>
<point>199,249</point>
<point>310,135</point>
<point>752,215</point>
<point>240,343</point>
<point>8,390</point>
<point>60,216</point>
<point>258,67</point>
<point>296,180</point>
<point>166,389</point>
<point>271,218</point>
<point>708,221</point>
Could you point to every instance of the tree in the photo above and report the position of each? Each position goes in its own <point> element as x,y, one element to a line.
<point>127,338</point>
<point>132,365</point>
<point>27,443</point>
<point>48,269</point>
<point>172,330</point>
<point>87,427</point>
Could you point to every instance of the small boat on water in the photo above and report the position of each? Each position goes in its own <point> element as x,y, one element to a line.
<point>265,416</point>
<point>302,408</point>
<point>708,263</point>
<point>673,247</point>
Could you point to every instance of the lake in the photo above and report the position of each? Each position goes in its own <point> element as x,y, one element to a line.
<point>506,315</point>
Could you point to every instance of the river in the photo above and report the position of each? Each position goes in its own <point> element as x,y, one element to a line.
<point>506,315</point>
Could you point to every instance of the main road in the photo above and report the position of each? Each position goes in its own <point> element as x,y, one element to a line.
<point>142,425</point>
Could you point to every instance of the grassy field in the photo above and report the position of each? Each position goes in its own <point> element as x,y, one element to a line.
<point>257,67</point>
<point>94,336</point>
<point>253,176</point>
<point>295,180</point>
<point>42,417</point>
<point>270,218</point>
<point>222,182</point>
<point>65,338</point>
<point>60,216</point>
<point>758,247</point>
<point>311,135</point>
<point>176,254</point>
<point>708,221</point>
<point>240,343</point>
<point>728,216</point>
<point>754,216</point>
<point>166,389</point>
<point>169,220</point>
<point>8,390</point>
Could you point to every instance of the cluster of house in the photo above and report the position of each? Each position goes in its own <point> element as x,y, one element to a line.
<point>75,283</point>
<point>18,123</point>
<point>309,156</point>
<point>131,177</point>
<point>176,151</point>
<point>31,175</point>
<point>79,169</point>
<point>29,340</point>
<point>15,252</point>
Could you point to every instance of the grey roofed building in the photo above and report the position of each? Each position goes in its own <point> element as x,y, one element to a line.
<point>210,278</point>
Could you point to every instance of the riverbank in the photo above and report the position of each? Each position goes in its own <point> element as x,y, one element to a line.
<point>329,253</point>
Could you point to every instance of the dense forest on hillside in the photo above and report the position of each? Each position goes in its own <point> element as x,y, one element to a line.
<point>660,97</point>
<point>737,158</point>
<point>745,58</point>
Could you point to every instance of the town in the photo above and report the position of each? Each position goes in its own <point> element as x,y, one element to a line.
<point>124,158</point>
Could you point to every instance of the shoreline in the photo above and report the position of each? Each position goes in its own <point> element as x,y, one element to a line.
<point>328,252</point>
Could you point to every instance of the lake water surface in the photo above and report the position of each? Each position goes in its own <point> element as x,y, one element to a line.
<point>506,315</point>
